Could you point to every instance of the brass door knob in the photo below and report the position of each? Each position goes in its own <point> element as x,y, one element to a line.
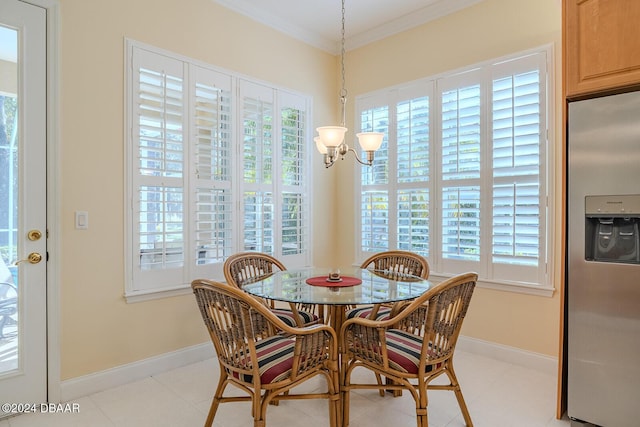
<point>32,258</point>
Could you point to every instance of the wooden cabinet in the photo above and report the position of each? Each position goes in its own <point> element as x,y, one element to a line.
<point>601,45</point>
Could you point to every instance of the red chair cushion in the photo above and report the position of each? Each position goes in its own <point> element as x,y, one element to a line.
<point>405,351</point>
<point>289,318</point>
<point>364,312</point>
<point>275,359</point>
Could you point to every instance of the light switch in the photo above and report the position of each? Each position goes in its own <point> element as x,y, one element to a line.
<point>82,220</point>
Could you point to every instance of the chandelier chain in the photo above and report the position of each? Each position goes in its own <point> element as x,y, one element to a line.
<point>331,139</point>
<point>343,91</point>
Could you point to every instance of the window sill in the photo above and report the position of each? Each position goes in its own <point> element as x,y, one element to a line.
<point>522,288</point>
<point>141,296</point>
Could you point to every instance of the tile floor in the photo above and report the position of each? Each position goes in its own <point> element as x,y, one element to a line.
<point>498,394</point>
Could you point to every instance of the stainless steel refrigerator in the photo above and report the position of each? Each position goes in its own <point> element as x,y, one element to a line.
<point>603,261</point>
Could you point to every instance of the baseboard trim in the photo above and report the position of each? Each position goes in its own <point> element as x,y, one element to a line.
<point>85,385</point>
<point>93,383</point>
<point>517,356</point>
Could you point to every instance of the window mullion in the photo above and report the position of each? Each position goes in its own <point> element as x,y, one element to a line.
<point>486,176</point>
<point>392,185</point>
<point>277,184</point>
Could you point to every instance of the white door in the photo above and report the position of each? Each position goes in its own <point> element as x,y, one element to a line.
<point>23,242</point>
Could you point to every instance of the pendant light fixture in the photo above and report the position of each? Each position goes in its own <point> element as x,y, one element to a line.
<point>331,139</point>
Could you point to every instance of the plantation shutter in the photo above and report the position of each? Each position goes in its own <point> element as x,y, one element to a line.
<point>216,164</point>
<point>294,233</point>
<point>159,181</point>
<point>465,176</point>
<point>460,168</point>
<point>517,134</point>
<point>257,110</point>
<point>212,201</point>
<point>412,170</point>
<point>375,224</point>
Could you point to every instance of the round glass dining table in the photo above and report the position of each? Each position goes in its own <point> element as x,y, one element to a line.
<point>358,286</point>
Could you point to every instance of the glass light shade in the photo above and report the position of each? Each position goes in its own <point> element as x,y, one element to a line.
<point>320,146</point>
<point>370,141</point>
<point>331,136</point>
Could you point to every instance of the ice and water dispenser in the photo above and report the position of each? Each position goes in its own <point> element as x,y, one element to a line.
<point>611,229</point>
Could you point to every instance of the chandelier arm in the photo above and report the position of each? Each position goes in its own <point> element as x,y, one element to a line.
<point>355,153</point>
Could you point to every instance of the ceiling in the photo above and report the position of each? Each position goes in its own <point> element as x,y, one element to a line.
<point>318,22</point>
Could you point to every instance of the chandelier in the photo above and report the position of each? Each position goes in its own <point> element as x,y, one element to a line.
<point>330,140</point>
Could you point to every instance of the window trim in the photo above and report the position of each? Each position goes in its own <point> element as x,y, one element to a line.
<point>547,171</point>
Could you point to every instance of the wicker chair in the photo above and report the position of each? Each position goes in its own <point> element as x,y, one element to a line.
<point>262,363</point>
<point>393,265</point>
<point>417,344</point>
<point>8,304</point>
<point>247,267</point>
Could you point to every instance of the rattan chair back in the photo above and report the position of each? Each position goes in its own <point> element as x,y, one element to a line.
<point>395,264</point>
<point>246,267</point>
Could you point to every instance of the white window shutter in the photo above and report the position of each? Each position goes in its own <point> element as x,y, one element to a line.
<point>294,164</point>
<point>212,198</point>
<point>518,138</point>
<point>257,115</point>
<point>158,178</point>
<point>460,121</point>
<point>374,228</point>
<point>466,174</point>
<point>216,164</point>
<point>375,118</point>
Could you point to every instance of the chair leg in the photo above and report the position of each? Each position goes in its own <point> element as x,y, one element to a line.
<point>258,406</point>
<point>396,393</point>
<point>212,413</point>
<point>334,410</point>
<point>458,392</point>
<point>335,400</point>
<point>422,402</point>
<point>345,408</point>
<point>379,381</point>
<point>222,383</point>
<point>345,380</point>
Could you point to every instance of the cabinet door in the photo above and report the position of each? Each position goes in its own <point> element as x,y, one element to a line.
<point>602,45</point>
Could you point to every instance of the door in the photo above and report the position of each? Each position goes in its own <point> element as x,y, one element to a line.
<point>23,339</point>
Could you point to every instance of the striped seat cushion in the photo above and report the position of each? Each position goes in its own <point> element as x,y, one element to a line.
<point>289,318</point>
<point>275,359</point>
<point>404,351</point>
<point>364,312</point>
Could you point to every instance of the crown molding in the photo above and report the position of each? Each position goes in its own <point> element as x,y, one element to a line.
<point>245,8</point>
<point>429,13</point>
<point>433,11</point>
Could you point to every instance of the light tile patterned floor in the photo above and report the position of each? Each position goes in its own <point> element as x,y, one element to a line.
<point>498,394</point>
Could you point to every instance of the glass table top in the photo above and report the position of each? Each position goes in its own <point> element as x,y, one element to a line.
<point>291,286</point>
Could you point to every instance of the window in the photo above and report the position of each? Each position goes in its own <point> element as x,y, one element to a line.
<point>8,179</point>
<point>462,175</point>
<point>216,165</point>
